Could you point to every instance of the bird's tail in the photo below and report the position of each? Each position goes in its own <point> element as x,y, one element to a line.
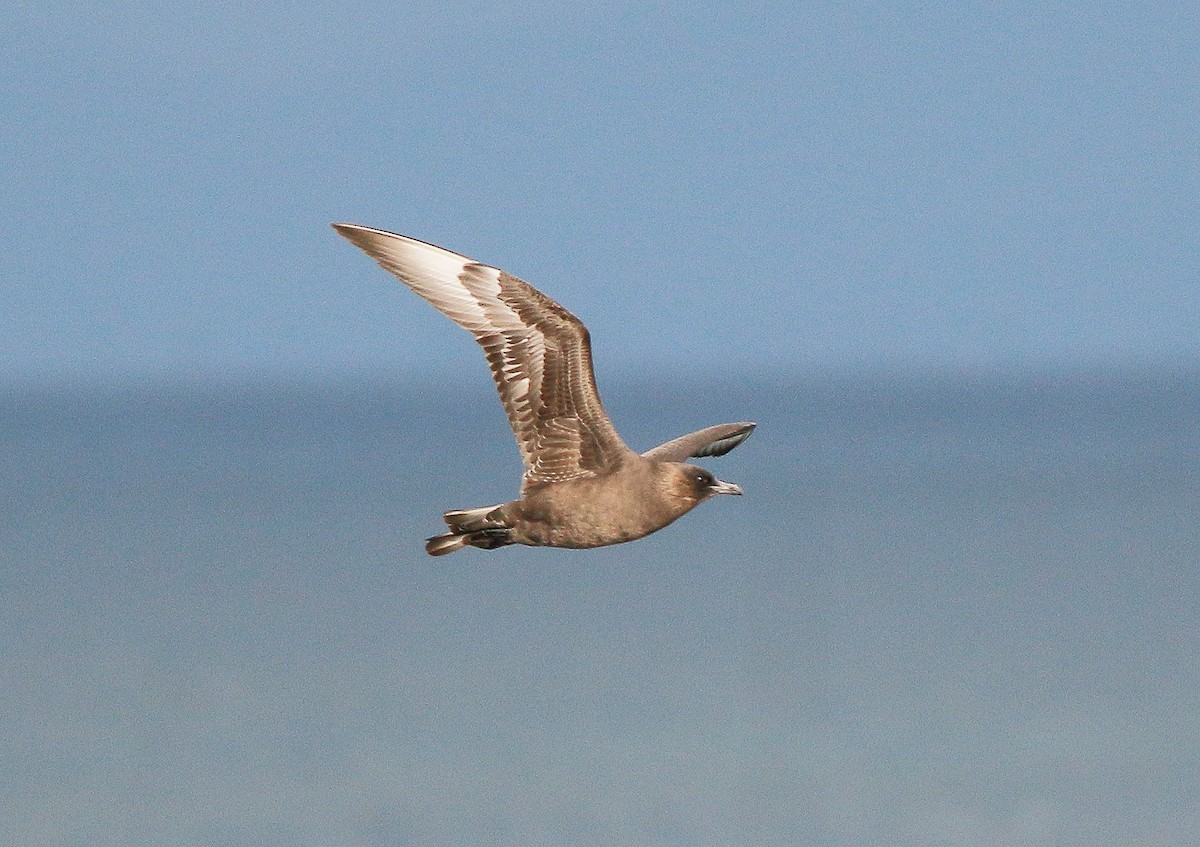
<point>483,528</point>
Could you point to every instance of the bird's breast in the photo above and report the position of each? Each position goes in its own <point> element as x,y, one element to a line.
<point>595,511</point>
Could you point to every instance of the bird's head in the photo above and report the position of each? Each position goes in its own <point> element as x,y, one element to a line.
<point>699,484</point>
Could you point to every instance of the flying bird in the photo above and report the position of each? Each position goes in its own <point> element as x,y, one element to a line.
<point>582,486</point>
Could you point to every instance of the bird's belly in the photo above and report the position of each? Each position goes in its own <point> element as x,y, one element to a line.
<point>579,532</point>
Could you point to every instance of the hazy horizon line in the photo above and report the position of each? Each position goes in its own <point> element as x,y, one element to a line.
<point>622,380</point>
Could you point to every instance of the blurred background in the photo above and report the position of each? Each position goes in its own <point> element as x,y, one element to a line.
<point>944,254</point>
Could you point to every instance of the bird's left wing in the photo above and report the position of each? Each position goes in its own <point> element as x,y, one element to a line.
<point>711,441</point>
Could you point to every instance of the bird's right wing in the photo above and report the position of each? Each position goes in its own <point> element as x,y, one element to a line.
<point>539,353</point>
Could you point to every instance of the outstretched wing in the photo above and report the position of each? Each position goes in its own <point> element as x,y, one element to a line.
<point>711,441</point>
<point>540,354</point>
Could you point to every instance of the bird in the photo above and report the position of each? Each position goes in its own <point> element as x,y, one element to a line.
<point>582,486</point>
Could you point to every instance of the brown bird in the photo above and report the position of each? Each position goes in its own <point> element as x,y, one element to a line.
<point>582,487</point>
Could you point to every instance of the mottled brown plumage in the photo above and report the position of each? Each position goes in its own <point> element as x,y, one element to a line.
<point>582,486</point>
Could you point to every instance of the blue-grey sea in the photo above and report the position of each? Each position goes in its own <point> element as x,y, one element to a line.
<point>948,611</point>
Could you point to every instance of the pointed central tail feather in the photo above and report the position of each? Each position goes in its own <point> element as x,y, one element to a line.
<point>440,545</point>
<point>483,528</point>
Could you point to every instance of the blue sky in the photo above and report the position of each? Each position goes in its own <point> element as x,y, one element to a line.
<point>826,187</point>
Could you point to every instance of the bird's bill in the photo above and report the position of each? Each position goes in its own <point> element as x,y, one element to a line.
<point>721,487</point>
